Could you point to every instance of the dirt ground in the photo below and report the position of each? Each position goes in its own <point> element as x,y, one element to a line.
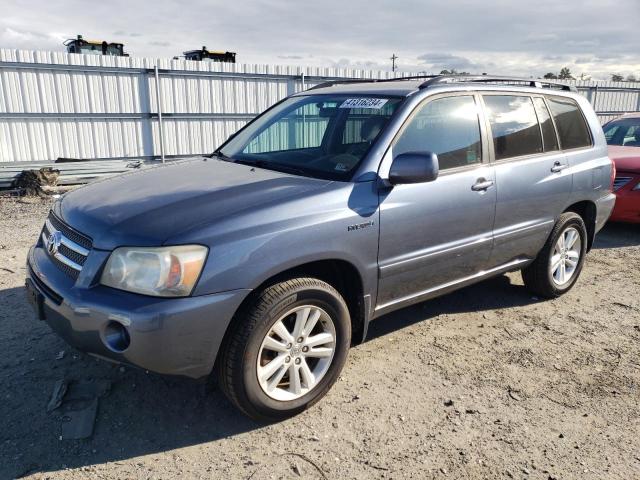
<point>487,382</point>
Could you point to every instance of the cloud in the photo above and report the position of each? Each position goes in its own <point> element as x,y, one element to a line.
<point>441,61</point>
<point>496,36</point>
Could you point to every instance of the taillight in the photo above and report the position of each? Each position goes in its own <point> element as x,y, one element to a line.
<point>613,175</point>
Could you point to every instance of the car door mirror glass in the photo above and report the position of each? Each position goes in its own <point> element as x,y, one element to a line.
<point>414,167</point>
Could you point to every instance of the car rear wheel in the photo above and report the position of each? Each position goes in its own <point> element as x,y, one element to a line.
<point>286,349</point>
<point>558,265</point>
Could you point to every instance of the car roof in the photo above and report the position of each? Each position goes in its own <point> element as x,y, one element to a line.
<point>629,115</point>
<point>409,85</point>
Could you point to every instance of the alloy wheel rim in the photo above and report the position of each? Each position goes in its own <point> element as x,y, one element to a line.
<point>566,256</point>
<point>296,353</point>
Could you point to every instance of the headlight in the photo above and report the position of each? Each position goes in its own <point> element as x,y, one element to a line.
<point>162,272</point>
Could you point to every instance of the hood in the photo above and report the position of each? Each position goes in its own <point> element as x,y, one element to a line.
<point>626,159</point>
<point>147,207</point>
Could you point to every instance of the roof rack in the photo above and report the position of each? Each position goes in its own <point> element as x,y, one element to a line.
<point>535,83</point>
<point>432,80</point>
<point>331,83</point>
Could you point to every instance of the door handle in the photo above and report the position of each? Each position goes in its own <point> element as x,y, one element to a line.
<point>558,167</point>
<point>482,185</point>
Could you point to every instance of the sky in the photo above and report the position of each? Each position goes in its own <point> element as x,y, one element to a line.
<point>507,37</point>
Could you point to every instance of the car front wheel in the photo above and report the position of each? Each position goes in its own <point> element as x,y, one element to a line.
<point>286,349</point>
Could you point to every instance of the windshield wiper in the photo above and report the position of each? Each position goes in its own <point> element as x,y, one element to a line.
<point>280,167</point>
<point>222,156</point>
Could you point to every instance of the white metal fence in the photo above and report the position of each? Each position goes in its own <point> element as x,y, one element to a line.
<point>80,106</point>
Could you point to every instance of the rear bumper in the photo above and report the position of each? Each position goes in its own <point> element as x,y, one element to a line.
<point>175,336</point>
<point>604,207</point>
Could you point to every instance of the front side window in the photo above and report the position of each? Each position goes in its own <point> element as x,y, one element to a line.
<point>625,131</point>
<point>572,129</point>
<point>323,136</point>
<point>514,126</point>
<point>448,127</point>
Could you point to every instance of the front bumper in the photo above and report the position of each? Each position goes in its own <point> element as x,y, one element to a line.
<point>627,207</point>
<point>175,336</point>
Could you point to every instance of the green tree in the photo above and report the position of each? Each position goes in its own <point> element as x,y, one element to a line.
<point>565,74</point>
<point>616,77</point>
<point>550,76</point>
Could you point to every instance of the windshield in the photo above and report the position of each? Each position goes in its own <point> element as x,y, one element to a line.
<point>322,136</point>
<point>623,132</point>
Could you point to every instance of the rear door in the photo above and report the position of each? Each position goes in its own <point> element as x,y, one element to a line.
<point>434,234</point>
<point>532,175</point>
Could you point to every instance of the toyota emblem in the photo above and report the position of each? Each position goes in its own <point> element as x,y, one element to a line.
<point>53,242</point>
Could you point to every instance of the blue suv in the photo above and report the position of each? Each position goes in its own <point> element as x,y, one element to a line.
<point>263,262</point>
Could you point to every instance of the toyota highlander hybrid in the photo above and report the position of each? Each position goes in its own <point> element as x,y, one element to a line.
<point>263,262</point>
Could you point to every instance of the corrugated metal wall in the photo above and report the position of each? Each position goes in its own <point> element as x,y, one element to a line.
<point>80,106</point>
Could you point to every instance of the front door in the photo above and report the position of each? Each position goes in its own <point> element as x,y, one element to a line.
<point>435,234</point>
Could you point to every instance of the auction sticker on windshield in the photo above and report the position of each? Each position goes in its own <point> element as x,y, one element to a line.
<point>375,103</point>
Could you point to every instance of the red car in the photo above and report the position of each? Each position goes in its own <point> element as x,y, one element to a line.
<point>623,137</point>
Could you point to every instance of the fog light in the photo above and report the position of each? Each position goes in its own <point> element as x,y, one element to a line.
<point>116,337</point>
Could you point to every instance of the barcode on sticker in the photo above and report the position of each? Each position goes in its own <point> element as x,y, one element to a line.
<point>375,103</point>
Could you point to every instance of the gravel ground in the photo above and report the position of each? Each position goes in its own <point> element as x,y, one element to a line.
<point>487,382</point>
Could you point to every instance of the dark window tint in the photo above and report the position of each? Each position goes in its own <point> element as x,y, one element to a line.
<point>548,132</point>
<point>572,129</point>
<point>514,126</point>
<point>448,127</point>
<point>625,131</point>
<point>363,125</point>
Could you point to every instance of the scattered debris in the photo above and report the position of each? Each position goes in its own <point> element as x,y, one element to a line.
<point>515,394</point>
<point>79,403</point>
<point>78,424</point>
<point>448,403</point>
<point>32,181</point>
<point>60,355</point>
<point>59,389</point>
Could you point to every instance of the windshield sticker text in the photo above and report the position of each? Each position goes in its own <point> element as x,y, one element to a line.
<point>375,103</point>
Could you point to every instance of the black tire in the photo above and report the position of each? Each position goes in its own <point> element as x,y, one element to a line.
<point>538,277</point>
<point>237,362</point>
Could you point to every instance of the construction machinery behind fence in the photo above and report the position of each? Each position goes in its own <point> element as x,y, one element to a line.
<point>94,47</point>
<point>209,55</point>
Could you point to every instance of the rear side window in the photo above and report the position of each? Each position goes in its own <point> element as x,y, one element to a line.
<point>572,129</point>
<point>546,125</point>
<point>514,126</point>
<point>448,127</point>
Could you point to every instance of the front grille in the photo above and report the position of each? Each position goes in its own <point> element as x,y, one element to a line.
<point>69,232</point>
<point>620,182</point>
<point>67,248</point>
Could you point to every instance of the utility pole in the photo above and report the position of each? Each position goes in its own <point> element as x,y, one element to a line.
<point>393,62</point>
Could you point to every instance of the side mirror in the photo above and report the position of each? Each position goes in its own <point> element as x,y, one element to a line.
<point>414,167</point>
